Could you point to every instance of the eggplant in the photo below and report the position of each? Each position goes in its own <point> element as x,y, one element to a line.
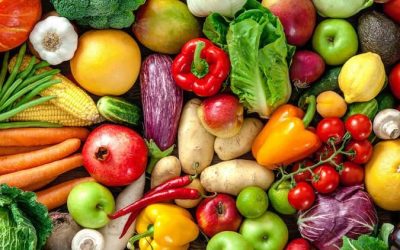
<point>162,102</point>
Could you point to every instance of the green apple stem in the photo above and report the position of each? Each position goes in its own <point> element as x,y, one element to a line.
<point>149,232</point>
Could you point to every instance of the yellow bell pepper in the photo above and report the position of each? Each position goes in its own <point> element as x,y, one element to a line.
<point>362,77</point>
<point>164,227</point>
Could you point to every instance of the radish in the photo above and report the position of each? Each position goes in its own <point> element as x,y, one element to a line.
<point>307,67</point>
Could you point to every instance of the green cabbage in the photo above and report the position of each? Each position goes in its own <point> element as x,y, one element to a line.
<point>24,223</point>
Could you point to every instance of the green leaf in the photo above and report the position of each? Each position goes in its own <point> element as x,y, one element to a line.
<point>215,28</point>
<point>385,232</point>
<point>364,242</point>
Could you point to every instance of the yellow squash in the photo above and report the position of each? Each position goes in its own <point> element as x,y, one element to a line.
<point>382,175</point>
<point>362,77</point>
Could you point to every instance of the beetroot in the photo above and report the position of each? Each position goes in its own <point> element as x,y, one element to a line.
<point>307,67</point>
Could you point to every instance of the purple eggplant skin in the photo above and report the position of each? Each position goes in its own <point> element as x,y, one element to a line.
<point>162,100</point>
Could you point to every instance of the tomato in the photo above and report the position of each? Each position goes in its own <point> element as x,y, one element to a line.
<point>392,9</point>
<point>331,127</point>
<point>17,18</point>
<point>325,152</point>
<point>351,174</point>
<point>326,179</point>
<point>359,126</point>
<point>298,244</point>
<point>362,149</point>
<point>394,80</point>
<point>304,176</point>
<point>302,196</point>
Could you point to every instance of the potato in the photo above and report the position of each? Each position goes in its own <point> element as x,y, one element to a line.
<point>240,144</point>
<point>191,203</point>
<point>167,168</point>
<point>232,176</point>
<point>195,144</point>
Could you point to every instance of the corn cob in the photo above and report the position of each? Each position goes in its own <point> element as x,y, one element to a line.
<point>69,97</point>
<point>50,113</point>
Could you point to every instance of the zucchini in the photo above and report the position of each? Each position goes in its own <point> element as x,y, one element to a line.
<point>118,110</point>
<point>369,109</point>
<point>329,81</point>
<point>385,101</point>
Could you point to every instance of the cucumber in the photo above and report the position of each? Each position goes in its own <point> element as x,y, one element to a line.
<point>329,81</point>
<point>118,110</point>
<point>369,109</point>
<point>385,101</point>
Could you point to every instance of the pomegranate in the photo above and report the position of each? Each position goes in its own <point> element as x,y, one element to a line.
<point>114,155</point>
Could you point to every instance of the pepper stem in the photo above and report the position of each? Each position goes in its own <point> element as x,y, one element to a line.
<point>199,65</point>
<point>149,232</point>
<point>156,154</point>
<point>311,108</point>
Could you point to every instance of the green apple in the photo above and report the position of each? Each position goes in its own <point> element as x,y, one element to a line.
<point>252,202</point>
<point>335,40</point>
<point>90,203</point>
<point>278,197</point>
<point>268,232</point>
<point>228,240</point>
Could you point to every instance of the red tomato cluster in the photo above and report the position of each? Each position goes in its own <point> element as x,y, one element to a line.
<point>337,163</point>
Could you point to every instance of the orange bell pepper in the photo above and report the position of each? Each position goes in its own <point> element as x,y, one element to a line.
<point>285,138</point>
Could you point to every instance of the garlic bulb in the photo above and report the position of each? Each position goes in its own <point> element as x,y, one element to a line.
<point>54,39</point>
<point>202,8</point>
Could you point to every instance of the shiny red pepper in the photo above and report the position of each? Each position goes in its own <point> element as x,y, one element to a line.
<point>201,67</point>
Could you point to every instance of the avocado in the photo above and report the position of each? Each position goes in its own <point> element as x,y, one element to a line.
<point>380,35</point>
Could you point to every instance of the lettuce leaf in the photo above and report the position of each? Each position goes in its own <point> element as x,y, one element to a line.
<point>24,223</point>
<point>364,242</point>
<point>260,59</point>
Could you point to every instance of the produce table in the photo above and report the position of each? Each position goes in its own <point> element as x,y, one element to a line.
<point>134,96</point>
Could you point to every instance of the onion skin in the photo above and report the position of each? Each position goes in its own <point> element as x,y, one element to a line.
<point>307,67</point>
<point>162,100</point>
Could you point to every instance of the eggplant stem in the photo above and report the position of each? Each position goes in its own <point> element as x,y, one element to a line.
<point>156,154</point>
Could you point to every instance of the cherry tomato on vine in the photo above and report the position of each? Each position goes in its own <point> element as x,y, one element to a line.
<point>351,174</point>
<point>298,244</point>
<point>326,179</point>
<point>359,126</point>
<point>304,176</point>
<point>302,196</point>
<point>394,81</point>
<point>362,151</point>
<point>325,152</point>
<point>331,127</point>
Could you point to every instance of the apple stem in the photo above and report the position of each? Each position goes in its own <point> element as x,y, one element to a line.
<point>311,108</point>
<point>102,153</point>
<point>149,232</point>
<point>199,65</point>
<point>220,208</point>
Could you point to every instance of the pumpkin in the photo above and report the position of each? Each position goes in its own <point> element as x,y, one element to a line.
<point>17,18</point>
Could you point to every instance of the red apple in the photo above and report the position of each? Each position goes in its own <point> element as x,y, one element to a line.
<point>221,115</point>
<point>298,18</point>
<point>218,214</point>
<point>114,155</point>
<point>392,9</point>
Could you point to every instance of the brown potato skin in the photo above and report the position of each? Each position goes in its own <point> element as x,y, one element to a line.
<point>167,168</point>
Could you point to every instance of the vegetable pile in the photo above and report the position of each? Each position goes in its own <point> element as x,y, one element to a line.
<point>199,124</point>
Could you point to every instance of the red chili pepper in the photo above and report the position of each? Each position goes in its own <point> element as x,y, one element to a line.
<point>179,193</point>
<point>177,182</point>
<point>201,67</point>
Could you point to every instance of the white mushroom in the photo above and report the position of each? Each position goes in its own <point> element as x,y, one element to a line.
<point>88,239</point>
<point>387,124</point>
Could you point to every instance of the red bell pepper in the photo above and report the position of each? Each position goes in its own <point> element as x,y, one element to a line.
<point>201,67</point>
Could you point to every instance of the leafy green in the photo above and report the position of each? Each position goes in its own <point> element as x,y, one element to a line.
<point>99,14</point>
<point>24,223</point>
<point>364,242</point>
<point>215,28</point>
<point>385,232</point>
<point>260,57</point>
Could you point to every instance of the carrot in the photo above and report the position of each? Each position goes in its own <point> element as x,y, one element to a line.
<point>12,150</point>
<point>39,185</point>
<point>40,136</point>
<point>28,177</point>
<point>13,163</point>
<point>57,195</point>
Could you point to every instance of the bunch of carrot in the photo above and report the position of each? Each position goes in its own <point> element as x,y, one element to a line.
<point>31,158</point>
